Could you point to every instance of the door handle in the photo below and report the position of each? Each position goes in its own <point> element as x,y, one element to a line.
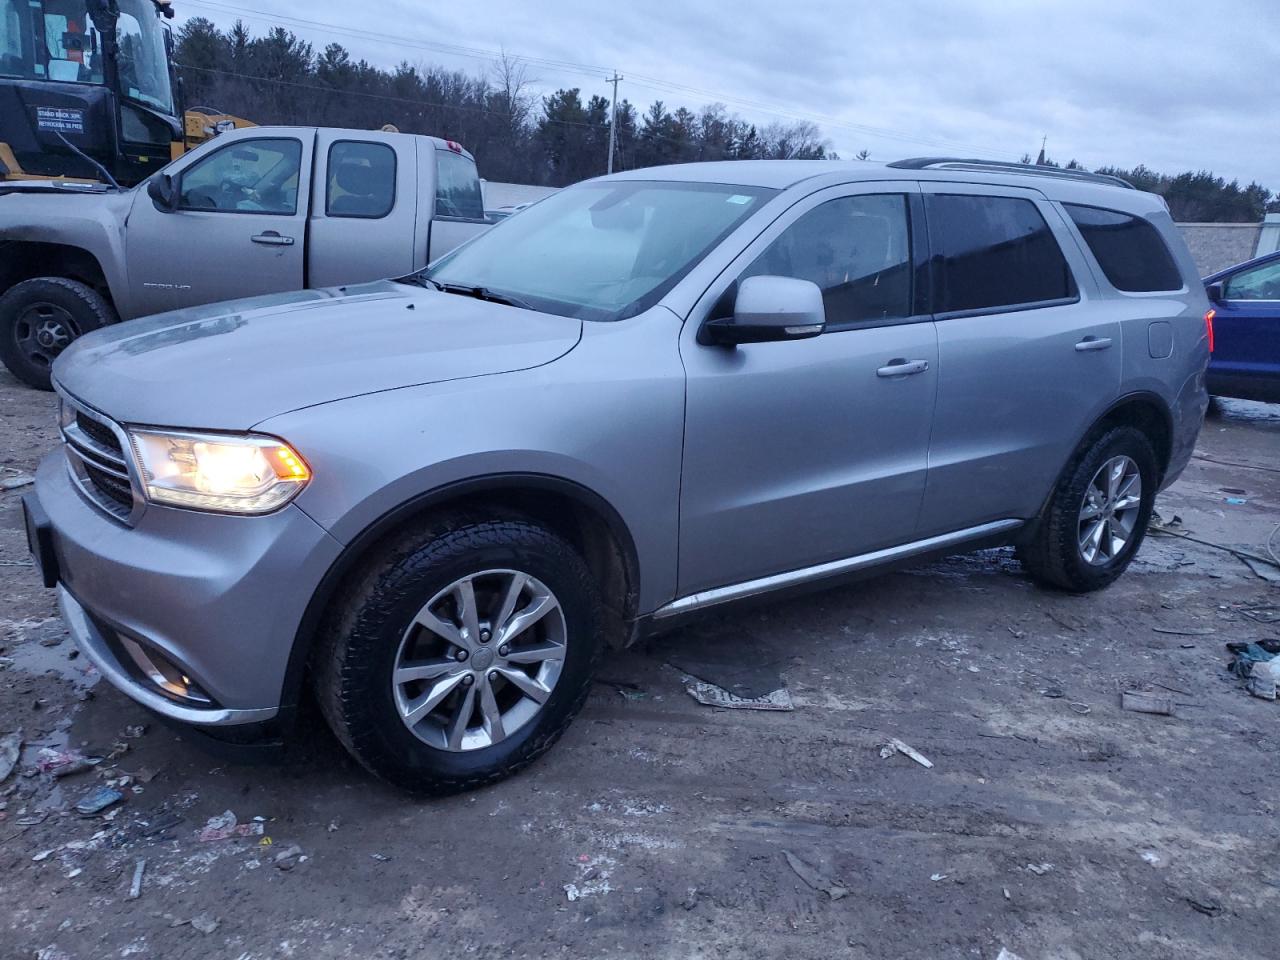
<point>902,368</point>
<point>271,238</point>
<point>1093,343</point>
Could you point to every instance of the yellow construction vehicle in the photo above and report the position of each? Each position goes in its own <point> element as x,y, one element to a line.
<point>88,91</point>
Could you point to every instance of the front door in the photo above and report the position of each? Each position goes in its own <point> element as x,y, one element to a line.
<point>239,229</point>
<point>1028,357</point>
<point>1246,351</point>
<point>802,452</point>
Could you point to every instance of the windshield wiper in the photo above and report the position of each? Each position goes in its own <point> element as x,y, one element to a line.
<point>480,293</point>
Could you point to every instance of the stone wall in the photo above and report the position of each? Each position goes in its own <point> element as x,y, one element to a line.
<point>1218,245</point>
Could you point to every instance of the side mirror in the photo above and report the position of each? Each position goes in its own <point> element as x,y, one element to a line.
<point>163,192</point>
<point>768,309</point>
<point>1217,291</point>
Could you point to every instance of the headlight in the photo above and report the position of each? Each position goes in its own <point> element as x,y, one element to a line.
<point>222,472</point>
<point>66,414</point>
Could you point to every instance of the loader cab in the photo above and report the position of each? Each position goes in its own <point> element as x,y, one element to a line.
<point>98,73</point>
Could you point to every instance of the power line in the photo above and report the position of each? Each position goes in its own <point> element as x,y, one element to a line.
<point>568,66</point>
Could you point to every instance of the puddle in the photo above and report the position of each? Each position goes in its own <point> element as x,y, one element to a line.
<point>37,660</point>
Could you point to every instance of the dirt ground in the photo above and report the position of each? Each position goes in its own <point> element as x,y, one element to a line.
<point>1052,823</point>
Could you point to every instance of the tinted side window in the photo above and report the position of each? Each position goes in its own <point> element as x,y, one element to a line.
<point>458,187</point>
<point>362,180</point>
<point>991,252</point>
<point>856,249</point>
<point>251,176</point>
<point>1256,283</point>
<point>1129,249</point>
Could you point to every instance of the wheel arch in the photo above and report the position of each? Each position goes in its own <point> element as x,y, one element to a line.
<point>30,259</point>
<point>574,511</point>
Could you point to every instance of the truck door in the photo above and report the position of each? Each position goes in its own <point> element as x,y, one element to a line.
<point>239,228</point>
<point>363,208</point>
<point>459,200</point>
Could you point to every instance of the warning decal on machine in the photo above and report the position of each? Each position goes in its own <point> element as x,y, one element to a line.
<point>60,119</point>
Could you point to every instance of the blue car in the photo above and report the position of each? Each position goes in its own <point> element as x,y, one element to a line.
<point>1246,330</point>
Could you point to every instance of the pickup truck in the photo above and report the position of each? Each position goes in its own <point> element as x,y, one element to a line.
<point>253,211</point>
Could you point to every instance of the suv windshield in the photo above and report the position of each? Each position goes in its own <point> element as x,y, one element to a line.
<point>601,250</point>
<point>57,40</point>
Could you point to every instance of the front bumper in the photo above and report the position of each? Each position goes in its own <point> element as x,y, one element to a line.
<point>217,598</point>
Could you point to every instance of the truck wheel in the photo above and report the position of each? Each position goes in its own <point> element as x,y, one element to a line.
<point>1098,515</point>
<point>460,654</point>
<point>39,318</point>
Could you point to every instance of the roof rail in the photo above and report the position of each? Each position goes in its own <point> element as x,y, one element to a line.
<point>999,166</point>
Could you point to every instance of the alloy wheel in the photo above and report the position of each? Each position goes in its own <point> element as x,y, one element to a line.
<point>479,660</point>
<point>1112,502</point>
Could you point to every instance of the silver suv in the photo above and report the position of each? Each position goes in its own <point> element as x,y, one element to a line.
<point>434,501</point>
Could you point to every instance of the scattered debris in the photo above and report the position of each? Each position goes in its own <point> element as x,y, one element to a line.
<point>1141,702</point>
<point>813,878</point>
<point>1054,693</point>
<point>1039,869</point>
<point>1201,904</point>
<point>572,892</point>
<point>225,827</point>
<point>63,763</point>
<point>1081,708</point>
<point>380,857</point>
<point>135,730</point>
<point>691,899</point>
<point>1007,954</point>
<point>1257,666</point>
<point>713,696</point>
<point>97,800</point>
<point>938,876</point>
<point>42,855</point>
<point>1007,894</point>
<point>1186,631</point>
<point>289,858</point>
<point>135,888</point>
<point>334,824</point>
<point>204,923</point>
<point>14,483</point>
<point>10,748</point>
<point>897,746</point>
<point>1151,857</point>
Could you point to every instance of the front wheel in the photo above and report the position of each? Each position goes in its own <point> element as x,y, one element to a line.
<point>38,320</point>
<point>461,654</point>
<point>1098,514</point>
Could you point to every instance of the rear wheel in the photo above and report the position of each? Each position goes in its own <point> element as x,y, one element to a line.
<point>461,655</point>
<point>1098,515</point>
<point>39,319</point>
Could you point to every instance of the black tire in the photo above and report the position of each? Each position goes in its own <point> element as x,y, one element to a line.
<point>357,649</point>
<point>1054,557</point>
<point>52,303</point>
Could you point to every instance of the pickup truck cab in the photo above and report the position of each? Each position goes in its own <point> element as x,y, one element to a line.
<point>254,211</point>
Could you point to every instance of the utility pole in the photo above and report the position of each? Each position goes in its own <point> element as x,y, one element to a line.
<point>613,118</point>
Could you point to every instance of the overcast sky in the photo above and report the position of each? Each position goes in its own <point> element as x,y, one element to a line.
<point>1177,85</point>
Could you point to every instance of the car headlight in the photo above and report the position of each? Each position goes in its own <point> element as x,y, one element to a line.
<point>230,473</point>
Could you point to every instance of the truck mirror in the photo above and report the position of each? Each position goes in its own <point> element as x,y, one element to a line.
<point>163,192</point>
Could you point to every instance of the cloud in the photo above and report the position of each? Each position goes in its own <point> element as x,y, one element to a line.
<point>1179,85</point>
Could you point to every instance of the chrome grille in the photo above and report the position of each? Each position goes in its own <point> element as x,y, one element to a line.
<point>95,454</point>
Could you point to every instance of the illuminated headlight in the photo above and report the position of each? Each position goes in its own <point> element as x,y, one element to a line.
<point>221,472</point>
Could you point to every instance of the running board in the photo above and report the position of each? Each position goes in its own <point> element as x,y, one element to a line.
<point>751,588</point>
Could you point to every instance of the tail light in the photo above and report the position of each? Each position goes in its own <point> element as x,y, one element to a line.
<point>1208,326</point>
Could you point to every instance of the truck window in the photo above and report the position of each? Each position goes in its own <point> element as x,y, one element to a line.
<point>362,180</point>
<point>248,176</point>
<point>457,187</point>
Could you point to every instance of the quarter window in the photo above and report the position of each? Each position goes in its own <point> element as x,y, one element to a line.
<point>362,180</point>
<point>1256,283</point>
<point>993,252</point>
<point>856,249</point>
<point>1129,249</point>
<point>249,176</point>
<point>458,188</point>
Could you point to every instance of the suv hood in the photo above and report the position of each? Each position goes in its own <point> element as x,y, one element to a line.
<point>232,365</point>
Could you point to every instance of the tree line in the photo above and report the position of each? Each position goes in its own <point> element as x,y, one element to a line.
<point>557,139</point>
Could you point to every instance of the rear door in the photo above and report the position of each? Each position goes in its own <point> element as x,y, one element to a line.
<point>239,230</point>
<point>1246,353</point>
<point>1028,356</point>
<point>364,207</point>
<point>807,451</point>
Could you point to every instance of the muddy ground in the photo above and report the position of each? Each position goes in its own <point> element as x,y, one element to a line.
<point>1051,824</point>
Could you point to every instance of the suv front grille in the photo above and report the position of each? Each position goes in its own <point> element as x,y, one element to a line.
<point>97,460</point>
